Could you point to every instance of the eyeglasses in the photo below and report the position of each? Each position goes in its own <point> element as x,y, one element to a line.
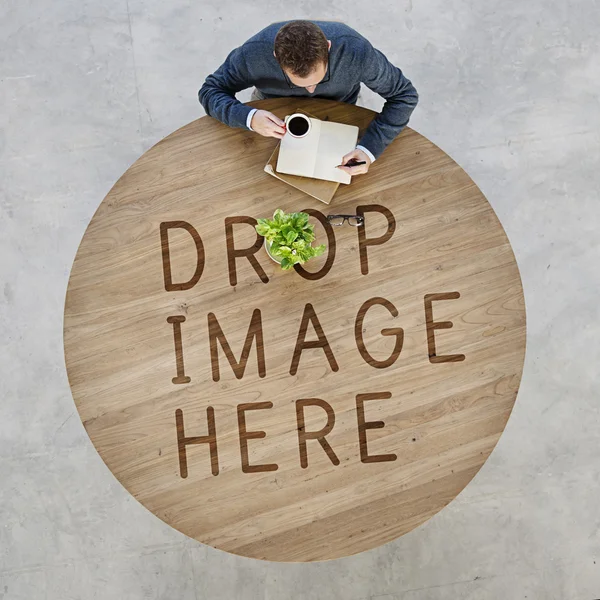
<point>338,220</point>
<point>298,87</point>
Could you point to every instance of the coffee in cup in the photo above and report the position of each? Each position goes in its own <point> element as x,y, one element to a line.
<point>298,125</point>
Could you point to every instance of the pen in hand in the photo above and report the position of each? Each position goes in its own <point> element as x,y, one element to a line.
<point>354,163</point>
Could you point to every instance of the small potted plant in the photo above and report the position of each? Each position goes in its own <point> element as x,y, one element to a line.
<point>288,238</point>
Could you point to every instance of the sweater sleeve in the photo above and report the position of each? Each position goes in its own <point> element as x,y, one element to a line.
<point>401,98</point>
<point>217,94</point>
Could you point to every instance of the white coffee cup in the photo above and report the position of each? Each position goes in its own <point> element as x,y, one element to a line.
<point>288,118</point>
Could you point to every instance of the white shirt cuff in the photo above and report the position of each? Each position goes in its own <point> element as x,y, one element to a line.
<point>367,152</point>
<point>249,119</point>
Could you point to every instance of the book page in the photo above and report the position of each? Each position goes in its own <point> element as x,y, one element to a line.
<point>297,156</point>
<point>336,141</point>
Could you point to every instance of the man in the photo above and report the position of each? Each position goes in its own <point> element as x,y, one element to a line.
<point>317,59</point>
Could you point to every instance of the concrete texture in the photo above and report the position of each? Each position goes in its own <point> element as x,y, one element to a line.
<point>509,89</point>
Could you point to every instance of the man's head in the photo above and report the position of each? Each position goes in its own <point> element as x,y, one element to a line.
<point>302,50</point>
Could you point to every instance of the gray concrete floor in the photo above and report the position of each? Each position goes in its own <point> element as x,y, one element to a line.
<point>510,89</point>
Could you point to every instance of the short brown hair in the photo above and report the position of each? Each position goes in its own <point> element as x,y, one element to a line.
<point>300,46</point>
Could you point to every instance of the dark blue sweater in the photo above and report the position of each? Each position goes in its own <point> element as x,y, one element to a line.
<point>352,60</point>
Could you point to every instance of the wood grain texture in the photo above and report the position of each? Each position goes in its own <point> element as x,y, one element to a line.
<point>283,417</point>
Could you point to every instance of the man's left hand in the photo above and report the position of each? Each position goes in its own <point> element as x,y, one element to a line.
<point>359,169</point>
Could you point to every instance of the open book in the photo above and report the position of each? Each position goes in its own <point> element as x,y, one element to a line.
<point>317,188</point>
<point>319,152</point>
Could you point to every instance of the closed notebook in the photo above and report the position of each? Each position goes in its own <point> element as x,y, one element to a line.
<point>318,153</point>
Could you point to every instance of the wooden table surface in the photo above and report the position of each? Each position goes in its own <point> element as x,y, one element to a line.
<point>301,415</point>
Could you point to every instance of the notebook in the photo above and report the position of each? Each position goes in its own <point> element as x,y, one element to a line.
<point>317,188</point>
<point>318,153</point>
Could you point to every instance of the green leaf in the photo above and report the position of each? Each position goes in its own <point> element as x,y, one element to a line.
<point>262,229</point>
<point>286,263</point>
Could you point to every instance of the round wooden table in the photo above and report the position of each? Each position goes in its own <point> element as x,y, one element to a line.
<point>293,415</point>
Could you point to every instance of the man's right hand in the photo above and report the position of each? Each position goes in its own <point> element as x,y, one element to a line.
<point>267,124</point>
